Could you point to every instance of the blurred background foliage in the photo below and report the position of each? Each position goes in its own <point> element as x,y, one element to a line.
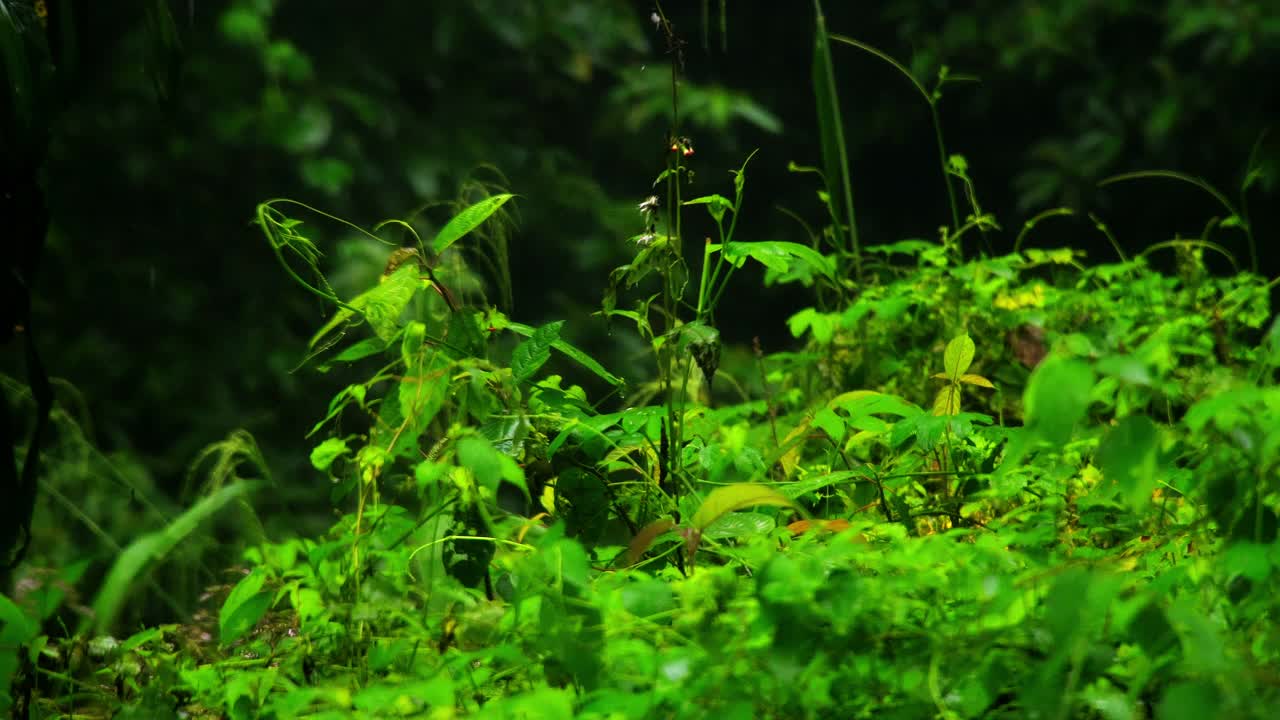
<point>161,305</point>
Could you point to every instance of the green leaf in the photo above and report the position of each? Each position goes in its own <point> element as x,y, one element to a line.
<point>948,401</point>
<point>381,306</point>
<point>868,402</point>
<point>569,351</point>
<point>1057,397</point>
<point>422,391</point>
<point>971,379</point>
<point>778,255</point>
<point>808,485</point>
<point>1248,559</point>
<point>16,627</point>
<point>1191,700</point>
<point>716,205</point>
<point>736,497</point>
<point>823,325</point>
<point>326,452</point>
<point>740,524</point>
<point>1128,456</point>
<point>490,466</point>
<point>647,597</point>
<point>244,607</point>
<point>829,422</point>
<point>532,354</point>
<point>468,220</point>
<point>958,356</point>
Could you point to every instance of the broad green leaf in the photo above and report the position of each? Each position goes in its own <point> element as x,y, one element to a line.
<point>490,466</point>
<point>829,422</point>
<point>948,401</point>
<point>1128,456</point>
<point>740,524</point>
<point>716,205</point>
<point>421,393</point>
<point>978,380</point>
<point>778,255</point>
<point>647,597</point>
<point>870,402</point>
<point>16,627</point>
<point>1249,559</point>
<point>326,452</point>
<point>823,325</point>
<point>1191,700</point>
<point>468,220</point>
<point>244,607</point>
<point>958,356</point>
<point>736,497</point>
<point>381,306</point>
<point>532,354</point>
<point>1057,397</point>
<point>150,548</point>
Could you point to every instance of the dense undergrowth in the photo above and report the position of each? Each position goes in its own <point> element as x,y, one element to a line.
<point>1023,485</point>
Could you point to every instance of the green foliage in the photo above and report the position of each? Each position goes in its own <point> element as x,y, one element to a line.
<point>1083,521</point>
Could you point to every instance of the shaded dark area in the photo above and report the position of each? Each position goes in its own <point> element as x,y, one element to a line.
<point>161,303</point>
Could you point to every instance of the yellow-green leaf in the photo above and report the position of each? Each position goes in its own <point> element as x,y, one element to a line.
<point>976,380</point>
<point>948,401</point>
<point>468,220</point>
<point>736,497</point>
<point>958,356</point>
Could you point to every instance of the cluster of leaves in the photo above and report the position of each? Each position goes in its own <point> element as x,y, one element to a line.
<point>514,552</point>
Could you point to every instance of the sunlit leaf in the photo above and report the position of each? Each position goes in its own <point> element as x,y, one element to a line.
<point>779,255</point>
<point>947,401</point>
<point>326,452</point>
<point>717,205</point>
<point>978,380</point>
<point>381,306</point>
<point>244,607</point>
<point>740,524</point>
<point>958,356</point>
<point>468,220</point>
<point>736,497</point>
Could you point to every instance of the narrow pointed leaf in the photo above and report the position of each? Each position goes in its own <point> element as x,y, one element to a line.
<point>532,354</point>
<point>570,352</point>
<point>468,220</point>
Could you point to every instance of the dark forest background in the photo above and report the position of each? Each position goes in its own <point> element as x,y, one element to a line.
<point>163,309</point>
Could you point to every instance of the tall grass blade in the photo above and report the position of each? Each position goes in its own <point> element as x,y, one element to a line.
<point>835,156</point>
<point>150,548</point>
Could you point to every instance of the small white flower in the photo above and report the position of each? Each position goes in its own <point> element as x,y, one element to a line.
<point>645,240</point>
<point>649,205</point>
